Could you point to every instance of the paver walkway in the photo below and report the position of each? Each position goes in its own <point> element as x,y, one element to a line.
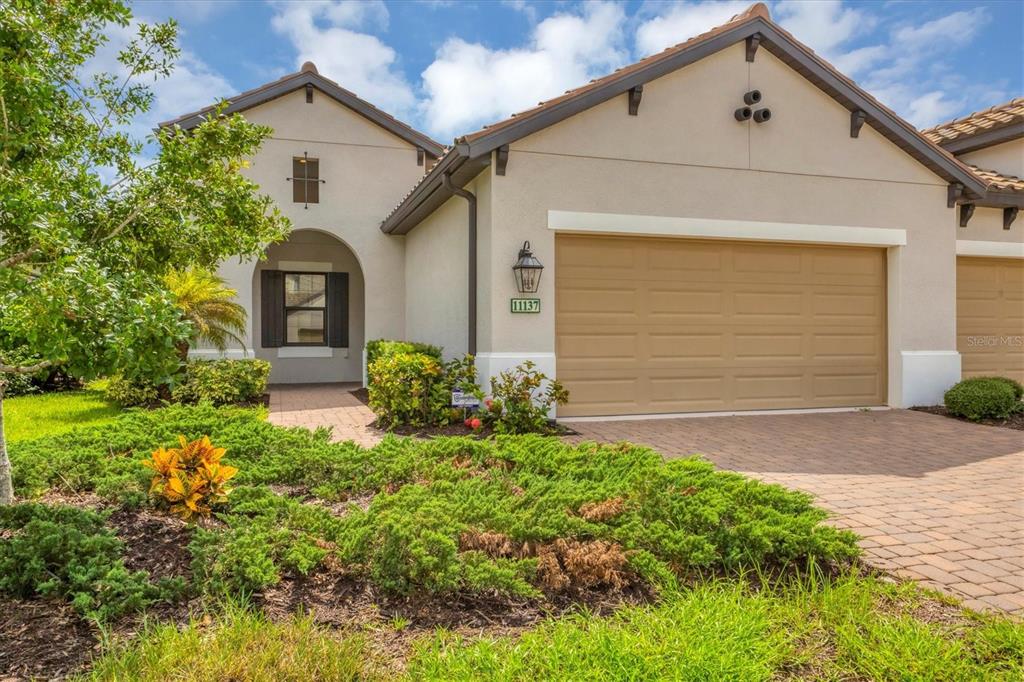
<point>935,499</point>
<point>330,405</point>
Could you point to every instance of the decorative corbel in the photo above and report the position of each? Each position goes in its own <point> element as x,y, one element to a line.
<point>857,118</point>
<point>636,93</point>
<point>1009,215</point>
<point>420,156</point>
<point>501,160</point>
<point>752,43</point>
<point>953,194</point>
<point>966,211</point>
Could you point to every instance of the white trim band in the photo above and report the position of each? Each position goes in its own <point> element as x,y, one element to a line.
<point>972,247</point>
<point>308,352</point>
<point>214,354</point>
<point>663,226</point>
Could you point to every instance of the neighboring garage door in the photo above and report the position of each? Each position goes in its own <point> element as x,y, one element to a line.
<point>990,316</point>
<point>647,326</point>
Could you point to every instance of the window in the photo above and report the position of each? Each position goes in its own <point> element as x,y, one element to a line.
<point>305,309</point>
<point>305,180</point>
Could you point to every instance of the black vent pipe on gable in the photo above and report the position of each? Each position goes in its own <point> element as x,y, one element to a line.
<point>446,182</point>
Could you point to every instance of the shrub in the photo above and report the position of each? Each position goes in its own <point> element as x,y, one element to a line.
<point>131,392</point>
<point>514,514</point>
<point>50,379</point>
<point>521,400</point>
<point>1016,386</point>
<point>190,478</point>
<point>405,389</point>
<point>223,382</point>
<point>415,389</point>
<point>68,552</point>
<point>982,398</point>
<point>379,347</point>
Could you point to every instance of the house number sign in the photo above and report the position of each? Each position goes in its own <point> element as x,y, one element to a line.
<point>525,305</point>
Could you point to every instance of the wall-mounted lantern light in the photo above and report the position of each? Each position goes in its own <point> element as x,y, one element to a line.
<point>527,271</point>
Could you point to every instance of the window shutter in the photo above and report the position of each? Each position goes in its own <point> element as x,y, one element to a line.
<point>298,182</point>
<point>313,186</point>
<point>272,308</point>
<point>337,309</point>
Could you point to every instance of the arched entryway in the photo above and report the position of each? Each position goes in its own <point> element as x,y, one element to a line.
<point>308,309</point>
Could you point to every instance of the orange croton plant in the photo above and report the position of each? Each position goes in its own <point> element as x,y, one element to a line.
<point>191,477</point>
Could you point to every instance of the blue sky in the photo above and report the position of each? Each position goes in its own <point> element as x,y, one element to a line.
<point>448,67</point>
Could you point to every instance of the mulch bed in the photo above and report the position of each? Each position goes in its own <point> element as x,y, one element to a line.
<point>1016,421</point>
<point>43,639</point>
<point>157,543</point>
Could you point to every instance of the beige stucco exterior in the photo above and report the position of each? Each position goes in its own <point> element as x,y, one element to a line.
<point>367,171</point>
<point>1006,158</point>
<point>683,162</point>
<point>684,155</point>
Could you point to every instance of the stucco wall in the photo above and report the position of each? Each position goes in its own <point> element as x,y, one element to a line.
<point>684,155</point>
<point>310,250</point>
<point>367,171</point>
<point>1006,158</point>
<point>987,225</point>
<point>436,272</point>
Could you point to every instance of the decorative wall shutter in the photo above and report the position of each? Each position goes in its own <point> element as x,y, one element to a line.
<point>337,309</point>
<point>298,180</point>
<point>272,308</point>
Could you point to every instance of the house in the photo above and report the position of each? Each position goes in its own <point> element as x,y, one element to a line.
<point>730,224</point>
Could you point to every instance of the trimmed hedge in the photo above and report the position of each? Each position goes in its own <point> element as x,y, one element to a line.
<point>380,347</point>
<point>984,398</point>
<point>221,382</point>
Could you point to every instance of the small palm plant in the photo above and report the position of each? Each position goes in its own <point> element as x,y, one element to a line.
<point>207,303</point>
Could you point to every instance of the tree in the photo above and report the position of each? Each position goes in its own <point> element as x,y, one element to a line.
<point>87,228</point>
<point>207,303</point>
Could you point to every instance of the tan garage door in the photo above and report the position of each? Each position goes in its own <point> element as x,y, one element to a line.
<point>990,316</point>
<point>648,326</point>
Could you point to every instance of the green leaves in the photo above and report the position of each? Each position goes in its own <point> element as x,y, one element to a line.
<point>68,552</point>
<point>87,227</point>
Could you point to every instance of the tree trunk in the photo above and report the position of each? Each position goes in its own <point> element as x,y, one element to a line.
<point>6,486</point>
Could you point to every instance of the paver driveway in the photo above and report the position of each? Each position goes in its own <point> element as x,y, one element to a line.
<point>935,499</point>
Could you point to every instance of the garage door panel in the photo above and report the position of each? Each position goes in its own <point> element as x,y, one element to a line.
<point>719,326</point>
<point>990,316</point>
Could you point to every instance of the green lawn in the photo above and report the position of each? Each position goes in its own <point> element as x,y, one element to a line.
<point>847,628</point>
<point>46,414</point>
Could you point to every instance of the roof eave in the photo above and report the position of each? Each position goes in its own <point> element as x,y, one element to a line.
<point>299,80</point>
<point>1000,199</point>
<point>988,138</point>
<point>430,193</point>
<point>781,45</point>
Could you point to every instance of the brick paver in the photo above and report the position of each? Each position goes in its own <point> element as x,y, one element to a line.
<point>328,405</point>
<point>937,500</point>
<point>934,499</point>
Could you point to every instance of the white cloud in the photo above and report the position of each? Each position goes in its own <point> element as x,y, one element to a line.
<point>192,84</point>
<point>327,34</point>
<point>823,25</point>
<point>527,9</point>
<point>683,21</point>
<point>469,84</point>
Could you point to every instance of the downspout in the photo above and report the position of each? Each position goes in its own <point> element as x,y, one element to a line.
<point>446,182</point>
